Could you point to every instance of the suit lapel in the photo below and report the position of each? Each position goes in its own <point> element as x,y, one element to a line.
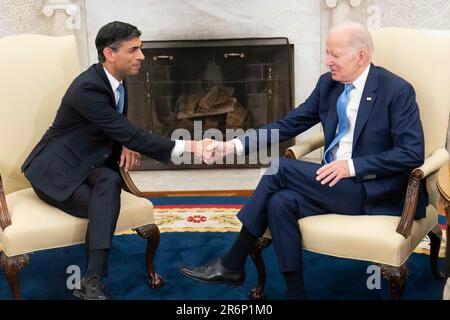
<point>330,126</point>
<point>101,72</point>
<point>368,99</point>
<point>125,105</point>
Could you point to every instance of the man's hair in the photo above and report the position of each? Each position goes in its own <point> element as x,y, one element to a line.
<point>359,36</point>
<point>112,35</point>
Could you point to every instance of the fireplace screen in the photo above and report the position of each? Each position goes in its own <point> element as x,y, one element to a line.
<point>218,84</point>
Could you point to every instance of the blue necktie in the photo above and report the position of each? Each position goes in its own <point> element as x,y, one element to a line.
<point>121,102</point>
<point>341,107</point>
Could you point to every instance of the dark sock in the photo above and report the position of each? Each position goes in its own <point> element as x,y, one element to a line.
<point>98,260</point>
<point>295,286</point>
<point>235,258</point>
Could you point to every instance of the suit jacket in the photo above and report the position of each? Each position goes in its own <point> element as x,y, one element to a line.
<point>388,141</point>
<point>87,132</point>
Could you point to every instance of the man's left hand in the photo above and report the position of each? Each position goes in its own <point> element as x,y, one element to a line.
<point>129,159</point>
<point>334,172</point>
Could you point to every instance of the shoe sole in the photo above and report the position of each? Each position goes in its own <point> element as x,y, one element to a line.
<point>229,284</point>
<point>80,295</point>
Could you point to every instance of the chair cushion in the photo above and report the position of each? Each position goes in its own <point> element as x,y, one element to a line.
<point>368,238</point>
<point>39,226</point>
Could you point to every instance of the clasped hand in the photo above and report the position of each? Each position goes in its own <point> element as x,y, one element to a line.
<point>210,150</point>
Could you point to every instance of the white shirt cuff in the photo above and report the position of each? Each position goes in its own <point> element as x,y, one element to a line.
<point>178,150</point>
<point>351,168</point>
<point>239,147</point>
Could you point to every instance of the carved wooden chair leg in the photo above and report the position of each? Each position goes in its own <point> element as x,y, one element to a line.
<point>151,233</point>
<point>11,268</point>
<point>397,278</point>
<point>256,254</point>
<point>435,236</point>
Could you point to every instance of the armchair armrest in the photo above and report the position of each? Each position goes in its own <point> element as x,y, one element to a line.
<point>5,218</point>
<point>303,148</point>
<point>432,164</point>
<point>128,184</point>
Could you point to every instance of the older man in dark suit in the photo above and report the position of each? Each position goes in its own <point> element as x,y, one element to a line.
<point>373,140</point>
<point>74,167</point>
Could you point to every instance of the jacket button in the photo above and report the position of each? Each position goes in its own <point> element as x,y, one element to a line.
<point>105,155</point>
<point>92,167</point>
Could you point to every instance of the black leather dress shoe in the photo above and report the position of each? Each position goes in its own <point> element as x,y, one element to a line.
<point>215,272</point>
<point>91,289</point>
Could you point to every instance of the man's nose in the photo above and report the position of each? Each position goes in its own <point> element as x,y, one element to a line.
<point>141,55</point>
<point>329,61</point>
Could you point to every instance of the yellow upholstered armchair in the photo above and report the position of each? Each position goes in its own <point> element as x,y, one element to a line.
<point>36,71</point>
<point>421,59</point>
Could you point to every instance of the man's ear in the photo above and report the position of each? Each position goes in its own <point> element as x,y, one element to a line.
<point>109,54</point>
<point>362,56</point>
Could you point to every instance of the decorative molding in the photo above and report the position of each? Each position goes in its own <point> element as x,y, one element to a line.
<point>22,16</point>
<point>334,3</point>
<point>355,3</point>
<point>343,10</point>
<point>64,16</point>
<point>416,14</point>
<point>68,17</point>
<point>48,17</point>
<point>51,6</point>
<point>373,16</point>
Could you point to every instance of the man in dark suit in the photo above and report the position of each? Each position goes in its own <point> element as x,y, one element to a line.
<point>373,140</point>
<point>74,167</point>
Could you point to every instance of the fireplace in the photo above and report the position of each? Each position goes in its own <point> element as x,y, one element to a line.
<point>218,84</point>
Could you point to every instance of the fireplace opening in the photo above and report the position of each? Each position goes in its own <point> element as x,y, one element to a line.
<point>225,84</point>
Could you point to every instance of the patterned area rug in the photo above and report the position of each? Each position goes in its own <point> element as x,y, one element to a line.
<point>222,218</point>
<point>424,245</point>
<point>197,218</point>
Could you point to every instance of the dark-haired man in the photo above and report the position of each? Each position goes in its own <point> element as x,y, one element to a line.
<point>74,165</point>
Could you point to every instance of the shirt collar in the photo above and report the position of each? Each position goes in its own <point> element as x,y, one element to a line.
<point>113,81</point>
<point>360,82</point>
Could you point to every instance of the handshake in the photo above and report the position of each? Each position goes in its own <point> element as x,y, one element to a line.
<point>209,151</point>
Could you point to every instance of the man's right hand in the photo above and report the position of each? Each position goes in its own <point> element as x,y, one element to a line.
<point>129,159</point>
<point>217,150</point>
